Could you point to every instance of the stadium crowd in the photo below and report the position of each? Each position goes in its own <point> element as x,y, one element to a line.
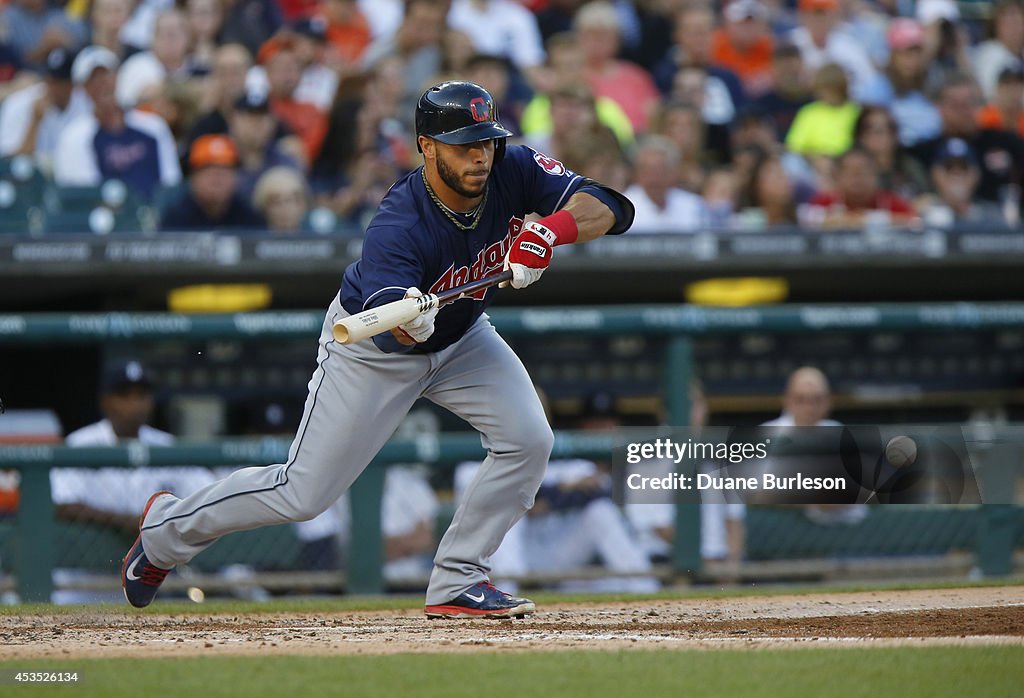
<point>741,114</point>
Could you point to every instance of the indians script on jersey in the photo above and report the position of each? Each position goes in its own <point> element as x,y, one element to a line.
<point>411,242</point>
<point>489,261</point>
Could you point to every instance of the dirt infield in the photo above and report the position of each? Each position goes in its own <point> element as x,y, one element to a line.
<point>992,615</point>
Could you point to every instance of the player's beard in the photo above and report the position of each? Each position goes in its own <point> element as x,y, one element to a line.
<point>454,182</point>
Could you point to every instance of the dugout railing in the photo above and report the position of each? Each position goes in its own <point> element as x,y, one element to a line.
<point>34,529</point>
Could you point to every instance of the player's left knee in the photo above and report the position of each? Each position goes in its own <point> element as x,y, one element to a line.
<point>542,444</point>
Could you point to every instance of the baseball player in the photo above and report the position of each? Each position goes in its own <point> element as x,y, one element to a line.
<point>459,217</point>
<point>111,497</point>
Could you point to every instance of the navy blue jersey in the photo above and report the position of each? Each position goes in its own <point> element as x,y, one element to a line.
<point>410,242</point>
<point>131,155</point>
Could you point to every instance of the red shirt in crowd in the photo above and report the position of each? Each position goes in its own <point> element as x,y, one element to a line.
<point>305,120</point>
<point>990,117</point>
<point>882,201</point>
<point>753,66</point>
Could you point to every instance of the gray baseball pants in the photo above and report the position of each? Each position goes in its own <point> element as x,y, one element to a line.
<point>358,395</point>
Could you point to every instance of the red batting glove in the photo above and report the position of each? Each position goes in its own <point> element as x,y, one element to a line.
<point>530,253</point>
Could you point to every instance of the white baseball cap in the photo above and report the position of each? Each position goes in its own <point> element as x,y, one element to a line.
<point>929,11</point>
<point>89,59</point>
<point>739,10</point>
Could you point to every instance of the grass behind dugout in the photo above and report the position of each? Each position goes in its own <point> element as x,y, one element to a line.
<point>905,672</point>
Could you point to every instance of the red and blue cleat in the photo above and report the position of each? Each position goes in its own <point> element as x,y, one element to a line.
<point>482,600</point>
<point>140,579</point>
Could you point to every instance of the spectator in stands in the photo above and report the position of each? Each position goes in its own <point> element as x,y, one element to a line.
<point>696,85</point>
<point>307,39</point>
<point>649,34</point>
<point>629,85</point>
<point>223,87</point>
<point>565,66</point>
<point>294,10</point>
<point>177,103</point>
<point>252,128</point>
<point>916,115</point>
<point>876,132</point>
<point>167,60</point>
<point>1000,154</point>
<point>693,28</point>
<point>573,114</point>
<point>700,145</point>
<point>790,91</point>
<point>1004,50</point>
<point>111,143</point>
<point>745,158</point>
<point>821,43</point>
<point>858,198</point>
<point>947,42</point>
<point>368,180</point>
<point>955,175</point>
<point>456,50</point>
<point>250,22</point>
<point>599,154</point>
<point>36,27</point>
<point>281,196</point>
<point>205,18</point>
<point>661,206</point>
<point>825,126</point>
<point>417,44</point>
<point>13,75</point>
<point>212,200</point>
<point>347,33</point>
<point>106,20</point>
<point>518,40</point>
<point>556,16</point>
<point>807,402</point>
<point>867,23</point>
<point>384,16</point>
<point>720,197</point>
<point>767,195</point>
<point>753,132</point>
<point>365,127</point>
<point>1006,110</point>
<point>32,118</point>
<point>304,119</point>
<point>745,46</point>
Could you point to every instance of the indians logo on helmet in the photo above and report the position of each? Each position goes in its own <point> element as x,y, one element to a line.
<point>479,110</point>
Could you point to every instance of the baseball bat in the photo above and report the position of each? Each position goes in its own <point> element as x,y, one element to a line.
<point>356,328</point>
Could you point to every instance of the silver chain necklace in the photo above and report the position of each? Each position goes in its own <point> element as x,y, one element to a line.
<point>477,213</point>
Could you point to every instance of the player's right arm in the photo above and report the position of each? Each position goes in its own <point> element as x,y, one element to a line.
<point>392,263</point>
<point>575,209</point>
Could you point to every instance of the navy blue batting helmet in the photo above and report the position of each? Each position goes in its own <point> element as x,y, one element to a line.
<point>457,112</point>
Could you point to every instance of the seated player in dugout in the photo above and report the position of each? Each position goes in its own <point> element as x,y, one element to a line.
<point>574,522</point>
<point>460,217</point>
<point>722,524</point>
<point>103,495</point>
<point>807,402</point>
